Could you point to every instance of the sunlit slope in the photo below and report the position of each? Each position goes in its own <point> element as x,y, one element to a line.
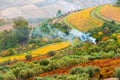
<point>82,20</point>
<point>106,13</point>
<point>39,51</point>
<point>111,12</point>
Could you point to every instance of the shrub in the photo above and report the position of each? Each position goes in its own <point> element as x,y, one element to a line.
<point>51,53</point>
<point>11,52</point>
<point>9,76</point>
<point>28,57</point>
<point>117,73</point>
<point>76,70</point>
<point>1,77</point>
<point>44,62</point>
<point>26,74</point>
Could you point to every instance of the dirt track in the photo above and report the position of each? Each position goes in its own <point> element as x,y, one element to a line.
<point>6,27</point>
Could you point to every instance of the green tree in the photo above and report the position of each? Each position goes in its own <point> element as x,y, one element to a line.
<point>118,3</point>
<point>21,29</point>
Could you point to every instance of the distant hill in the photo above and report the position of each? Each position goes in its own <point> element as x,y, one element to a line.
<point>32,9</point>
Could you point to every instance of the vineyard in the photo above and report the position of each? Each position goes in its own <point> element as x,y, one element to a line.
<point>79,45</point>
<point>82,20</point>
<point>111,12</point>
<point>106,13</point>
<point>38,52</point>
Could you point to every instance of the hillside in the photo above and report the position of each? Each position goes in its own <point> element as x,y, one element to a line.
<point>81,43</point>
<point>112,12</point>
<point>82,20</point>
<point>30,9</point>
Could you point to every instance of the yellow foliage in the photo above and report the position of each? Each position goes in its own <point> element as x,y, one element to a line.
<point>100,33</point>
<point>39,51</point>
<point>82,20</point>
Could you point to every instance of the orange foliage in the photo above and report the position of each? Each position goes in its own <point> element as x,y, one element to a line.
<point>111,12</point>
<point>106,66</point>
<point>105,38</point>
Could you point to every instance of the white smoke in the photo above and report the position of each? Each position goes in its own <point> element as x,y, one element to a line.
<point>82,36</point>
<point>52,33</point>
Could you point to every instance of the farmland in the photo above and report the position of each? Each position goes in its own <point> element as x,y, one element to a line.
<point>79,45</point>
<point>82,20</point>
<point>111,12</point>
<point>38,52</point>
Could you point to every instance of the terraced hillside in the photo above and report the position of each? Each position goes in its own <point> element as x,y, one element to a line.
<point>82,20</point>
<point>111,12</point>
<point>106,13</point>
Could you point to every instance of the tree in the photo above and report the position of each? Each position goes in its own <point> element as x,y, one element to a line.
<point>21,29</point>
<point>118,3</point>
<point>59,13</point>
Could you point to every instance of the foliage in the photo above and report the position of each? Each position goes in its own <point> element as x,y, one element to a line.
<point>117,72</point>
<point>51,53</point>
<point>44,62</point>
<point>28,57</point>
<point>118,3</point>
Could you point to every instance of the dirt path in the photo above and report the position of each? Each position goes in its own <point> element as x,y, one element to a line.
<point>6,27</point>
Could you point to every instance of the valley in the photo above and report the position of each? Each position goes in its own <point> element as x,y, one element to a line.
<point>81,43</point>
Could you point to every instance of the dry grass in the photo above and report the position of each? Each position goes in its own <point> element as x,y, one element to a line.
<point>111,12</point>
<point>82,20</point>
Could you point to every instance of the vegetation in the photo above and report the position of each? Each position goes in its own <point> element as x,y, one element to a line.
<point>83,19</point>
<point>61,61</point>
<point>118,3</point>
<point>37,52</point>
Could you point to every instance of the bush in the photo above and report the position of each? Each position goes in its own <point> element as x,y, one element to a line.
<point>1,77</point>
<point>76,70</point>
<point>26,74</point>
<point>9,76</point>
<point>117,73</point>
<point>51,53</point>
<point>28,57</point>
<point>44,62</point>
<point>11,52</point>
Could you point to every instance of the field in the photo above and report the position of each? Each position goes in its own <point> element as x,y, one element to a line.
<point>111,12</point>
<point>82,20</point>
<point>38,52</point>
<point>107,67</point>
<point>104,13</point>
